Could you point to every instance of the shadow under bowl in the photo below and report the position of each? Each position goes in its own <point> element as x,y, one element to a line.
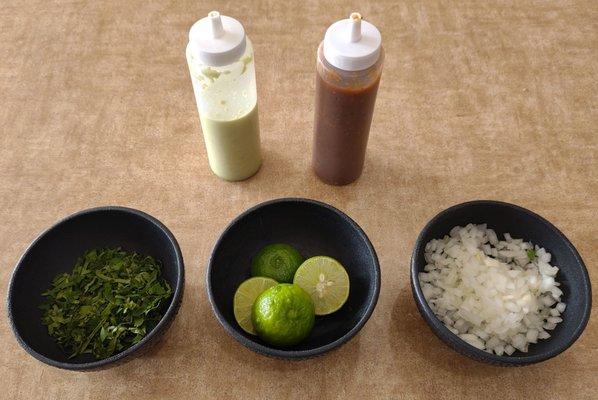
<point>524,224</point>
<point>313,228</point>
<point>55,252</point>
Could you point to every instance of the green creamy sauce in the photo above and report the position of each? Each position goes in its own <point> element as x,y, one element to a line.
<point>233,146</point>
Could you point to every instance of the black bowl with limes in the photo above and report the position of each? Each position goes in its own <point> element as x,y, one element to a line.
<point>313,228</point>
<point>56,251</point>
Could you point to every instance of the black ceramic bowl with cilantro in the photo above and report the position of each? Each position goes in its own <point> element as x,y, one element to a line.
<point>106,282</point>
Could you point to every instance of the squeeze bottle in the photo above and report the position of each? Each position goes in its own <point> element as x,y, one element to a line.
<point>349,66</point>
<point>221,64</point>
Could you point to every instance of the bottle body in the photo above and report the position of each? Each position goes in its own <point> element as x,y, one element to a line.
<point>344,108</point>
<point>226,99</point>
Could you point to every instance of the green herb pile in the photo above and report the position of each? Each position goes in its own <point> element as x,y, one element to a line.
<point>110,301</point>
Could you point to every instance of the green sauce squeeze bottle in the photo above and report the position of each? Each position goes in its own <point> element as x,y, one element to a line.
<point>220,58</point>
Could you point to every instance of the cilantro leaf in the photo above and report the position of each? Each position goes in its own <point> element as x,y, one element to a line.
<point>531,254</point>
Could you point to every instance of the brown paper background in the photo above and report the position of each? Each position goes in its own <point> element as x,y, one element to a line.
<point>479,99</point>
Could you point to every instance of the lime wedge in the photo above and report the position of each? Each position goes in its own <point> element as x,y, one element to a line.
<point>326,281</point>
<point>244,298</point>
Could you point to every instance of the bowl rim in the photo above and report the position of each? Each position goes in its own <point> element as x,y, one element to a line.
<point>168,315</point>
<point>278,352</point>
<point>460,345</point>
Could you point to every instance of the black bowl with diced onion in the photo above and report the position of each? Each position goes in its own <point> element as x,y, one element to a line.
<point>572,277</point>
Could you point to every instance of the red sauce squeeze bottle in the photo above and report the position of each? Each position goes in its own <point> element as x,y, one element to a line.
<point>348,73</point>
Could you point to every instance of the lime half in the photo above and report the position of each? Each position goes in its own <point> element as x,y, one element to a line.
<point>277,261</point>
<point>326,281</point>
<point>283,315</point>
<point>244,298</point>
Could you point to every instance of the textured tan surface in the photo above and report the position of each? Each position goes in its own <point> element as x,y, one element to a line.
<point>477,100</point>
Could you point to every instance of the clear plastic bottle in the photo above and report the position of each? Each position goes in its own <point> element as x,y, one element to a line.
<point>220,58</point>
<point>349,67</point>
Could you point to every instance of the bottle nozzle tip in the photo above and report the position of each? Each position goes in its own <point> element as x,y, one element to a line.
<point>355,19</point>
<point>217,28</point>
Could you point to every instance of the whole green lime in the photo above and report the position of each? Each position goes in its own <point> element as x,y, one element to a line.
<point>278,261</point>
<point>283,315</point>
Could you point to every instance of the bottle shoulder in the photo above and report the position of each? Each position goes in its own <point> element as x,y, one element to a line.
<point>348,79</point>
<point>240,66</point>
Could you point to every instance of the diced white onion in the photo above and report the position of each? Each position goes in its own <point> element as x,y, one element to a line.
<point>489,292</point>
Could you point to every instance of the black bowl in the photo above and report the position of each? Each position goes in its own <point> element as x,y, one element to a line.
<point>520,223</point>
<point>56,250</point>
<point>313,228</point>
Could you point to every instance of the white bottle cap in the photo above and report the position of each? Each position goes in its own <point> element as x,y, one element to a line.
<point>217,40</point>
<point>352,44</point>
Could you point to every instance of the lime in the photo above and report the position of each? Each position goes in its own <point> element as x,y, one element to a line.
<point>277,261</point>
<point>326,281</point>
<point>283,315</point>
<point>244,298</point>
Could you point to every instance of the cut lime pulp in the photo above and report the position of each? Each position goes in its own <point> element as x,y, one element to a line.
<point>326,281</point>
<point>244,298</point>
